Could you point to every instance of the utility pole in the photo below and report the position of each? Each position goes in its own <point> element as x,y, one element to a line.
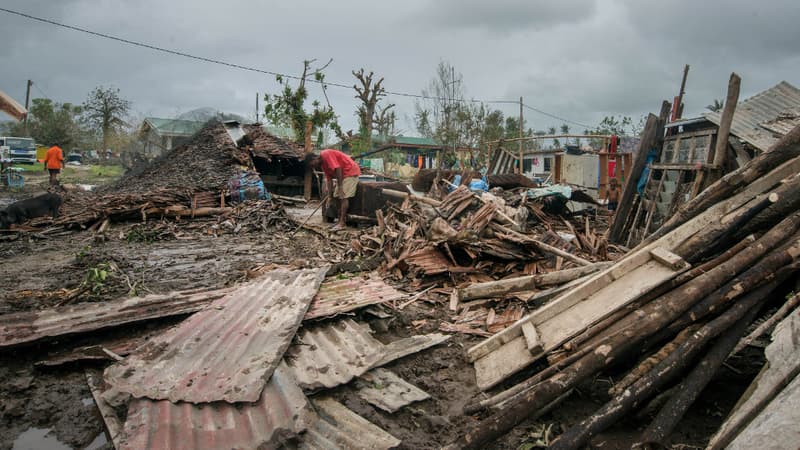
<point>455,135</point>
<point>256,107</point>
<point>27,103</point>
<point>521,164</point>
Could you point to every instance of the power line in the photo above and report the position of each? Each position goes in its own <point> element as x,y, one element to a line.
<point>267,72</point>
<point>557,117</point>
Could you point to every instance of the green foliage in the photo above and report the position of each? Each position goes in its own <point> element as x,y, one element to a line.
<point>96,277</point>
<point>50,123</point>
<point>142,234</point>
<point>287,108</point>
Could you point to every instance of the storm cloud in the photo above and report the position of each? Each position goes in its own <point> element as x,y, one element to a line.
<point>580,60</point>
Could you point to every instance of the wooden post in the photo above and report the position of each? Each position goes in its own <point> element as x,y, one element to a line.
<point>307,186</point>
<point>521,156</point>
<point>557,160</point>
<point>725,121</point>
<point>627,160</point>
<point>679,106</point>
<point>624,206</point>
<point>603,174</point>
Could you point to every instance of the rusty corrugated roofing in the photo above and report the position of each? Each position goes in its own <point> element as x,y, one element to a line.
<point>228,350</point>
<point>281,413</point>
<point>429,259</point>
<point>338,296</point>
<point>31,326</point>
<point>325,356</point>
<point>755,118</point>
<point>339,428</point>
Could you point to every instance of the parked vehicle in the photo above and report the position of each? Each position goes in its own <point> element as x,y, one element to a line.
<point>20,150</point>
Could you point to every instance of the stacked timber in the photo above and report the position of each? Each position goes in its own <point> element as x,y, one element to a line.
<point>678,303</point>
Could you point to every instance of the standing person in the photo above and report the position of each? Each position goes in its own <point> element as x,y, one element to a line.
<point>54,162</point>
<point>612,195</point>
<point>340,167</point>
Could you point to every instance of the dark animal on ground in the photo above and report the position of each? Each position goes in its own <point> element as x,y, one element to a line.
<point>24,210</point>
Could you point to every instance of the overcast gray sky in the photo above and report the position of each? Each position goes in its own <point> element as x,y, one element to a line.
<point>580,59</point>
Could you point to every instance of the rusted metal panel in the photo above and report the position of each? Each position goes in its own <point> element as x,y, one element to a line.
<point>280,414</point>
<point>339,428</point>
<point>31,326</point>
<point>387,391</point>
<point>325,356</point>
<point>227,351</point>
<point>429,259</point>
<point>339,296</point>
<point>763,118</point>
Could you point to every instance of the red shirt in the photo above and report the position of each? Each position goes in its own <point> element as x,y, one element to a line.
<point>334,159</point>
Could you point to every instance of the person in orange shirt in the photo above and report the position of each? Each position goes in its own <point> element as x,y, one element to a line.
<point>53,162</point>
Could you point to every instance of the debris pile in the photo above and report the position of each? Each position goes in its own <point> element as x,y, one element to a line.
<point>245,369</point>
<point>192,181</point>
<point>679,303</point>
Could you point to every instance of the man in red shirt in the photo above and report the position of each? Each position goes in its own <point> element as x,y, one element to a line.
<point>53,162</point>
<point>340,167</point>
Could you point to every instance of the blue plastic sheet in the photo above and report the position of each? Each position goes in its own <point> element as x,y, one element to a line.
<point>247,186</point>
<point>651,156</point>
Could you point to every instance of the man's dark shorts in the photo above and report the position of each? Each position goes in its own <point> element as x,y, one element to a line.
<point>612,206</point>
<point>54,171</point>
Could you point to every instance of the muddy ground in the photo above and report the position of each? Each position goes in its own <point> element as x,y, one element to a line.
<point>47,408</point>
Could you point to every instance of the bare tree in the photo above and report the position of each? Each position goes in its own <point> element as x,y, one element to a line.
<point>106,110</point>
<point>385,120</point>
<point>369,92</point>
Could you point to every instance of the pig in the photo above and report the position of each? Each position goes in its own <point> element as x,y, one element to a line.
<point>24,210</point>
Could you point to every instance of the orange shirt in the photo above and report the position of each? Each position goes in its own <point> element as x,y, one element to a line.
<point>54,158</point>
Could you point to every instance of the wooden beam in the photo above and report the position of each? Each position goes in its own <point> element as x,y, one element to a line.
<point>526,283</point>
<point>726,119</point>
<point>308,177</point>
<point>649,137</point>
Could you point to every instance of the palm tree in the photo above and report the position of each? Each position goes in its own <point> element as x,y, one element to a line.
<point>716,106</point>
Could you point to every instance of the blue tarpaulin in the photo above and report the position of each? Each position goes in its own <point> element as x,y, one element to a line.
<point>247,186</point>
<point>651,156</point>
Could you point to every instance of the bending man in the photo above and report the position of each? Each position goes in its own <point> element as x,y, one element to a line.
<point>340,167</point>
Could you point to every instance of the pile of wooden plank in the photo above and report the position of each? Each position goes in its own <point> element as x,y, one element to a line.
<point>678,304</point>
<point>468,233</point>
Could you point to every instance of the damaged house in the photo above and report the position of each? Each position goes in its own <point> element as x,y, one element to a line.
<point>689,159</point>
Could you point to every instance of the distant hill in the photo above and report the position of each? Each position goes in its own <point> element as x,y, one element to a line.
<point>207,113</point>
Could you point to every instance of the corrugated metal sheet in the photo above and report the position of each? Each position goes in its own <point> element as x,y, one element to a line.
<point>753,113</point>
<point>387,391</point>
<point>429,259</point>
<point>339,428</point>
<point>31,326</point>
<point>407,346</point>
<point>339,296</point>
<point>281,413</point>
<point>228,350</point>
<point>325,356</point>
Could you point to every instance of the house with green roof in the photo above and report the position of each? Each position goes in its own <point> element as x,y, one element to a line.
<point>160,135</point>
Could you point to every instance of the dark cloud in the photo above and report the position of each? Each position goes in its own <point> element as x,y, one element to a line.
<point>507,15</point>
<point>580,60</point>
